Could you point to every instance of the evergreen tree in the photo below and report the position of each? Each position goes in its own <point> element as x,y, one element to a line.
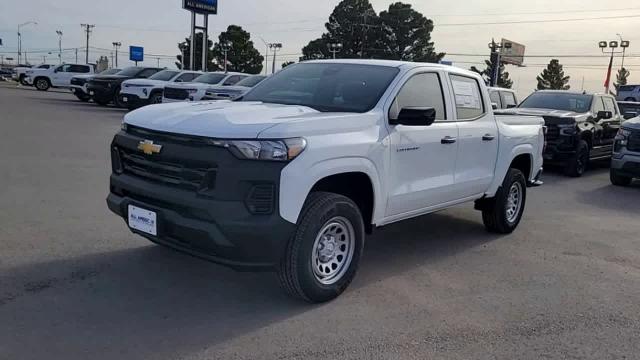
<point>355,25</point>
<point>185,48</point>
<point>287,63</point>
<point>503,81</point>
<point>406,35</point>
<point>552,78</point>
<point>242,55</point>
<point>622,78</point>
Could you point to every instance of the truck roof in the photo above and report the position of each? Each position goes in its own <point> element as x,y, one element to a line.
<point>394,63</point>
<point>573,92</point>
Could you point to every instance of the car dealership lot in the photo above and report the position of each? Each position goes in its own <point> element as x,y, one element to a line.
<point>75,284</point>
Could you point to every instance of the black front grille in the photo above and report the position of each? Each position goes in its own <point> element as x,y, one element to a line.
<point>78,82</point>
<point>261,199</point>
<point>100,84</point>
<point>633,143</point>
<point>176,94</point>
<point>167,172</point>
<point>553,132</point>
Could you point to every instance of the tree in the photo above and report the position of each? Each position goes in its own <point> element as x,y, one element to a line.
<point>621,78</point>
<point>242,55</point>
<point>185,48</point>
<point>355,25</point>
<point>287,63</point>
<point>552,78</point>
<point>406,35</point>
<point>503,81</point>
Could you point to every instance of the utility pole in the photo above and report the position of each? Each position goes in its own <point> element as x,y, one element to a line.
<point>116,45</point>
<point>334,48</point>
<point>87,28</point>
<point>226,47</point>
<point>158,62</point>
<point>266,56</point>
<point>275,47</point>
<point>496,60</point>
<point>59,32</point>
<point>624,44</point>
<point>76,55</point>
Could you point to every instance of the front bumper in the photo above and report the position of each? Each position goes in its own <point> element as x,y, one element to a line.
<point>102,92</point>
<point>626,164</point>
<point>133,101</point>
<point>215,222</point>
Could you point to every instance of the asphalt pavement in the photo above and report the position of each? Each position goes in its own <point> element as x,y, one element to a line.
<point>76,284</point>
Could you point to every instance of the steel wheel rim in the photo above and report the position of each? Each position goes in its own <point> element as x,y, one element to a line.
<point>514,202</point>
<point>333,250</point>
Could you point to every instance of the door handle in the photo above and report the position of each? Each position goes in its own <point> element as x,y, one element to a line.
<point>488,137</point>
<point>448,140</point>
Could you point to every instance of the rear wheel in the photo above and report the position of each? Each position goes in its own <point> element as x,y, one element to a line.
<point>619,180</point>
<point>503,213</point>
<point>578,163</point>
<point>155,98</point>
<point>322,256</point>
<point>42,84</point>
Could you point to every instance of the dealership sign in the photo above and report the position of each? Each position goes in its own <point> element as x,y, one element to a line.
<point>201,6</point>
<point>136,53</point>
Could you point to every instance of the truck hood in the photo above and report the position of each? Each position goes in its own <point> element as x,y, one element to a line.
<point>192,85</point>
<point>114,78</point>
<point>144,82</point>
<point>550,116</point>
<point>633,123</point>
<point>217,119</point>
<point>87,76</point>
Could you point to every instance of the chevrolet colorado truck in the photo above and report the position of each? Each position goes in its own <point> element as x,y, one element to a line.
<point>78,84</point>
<point>57,76</point>
<point>137,93</point>
<point>106,89</point>
<point>196,90</point>
<point>291,176</point>
<point>625,164</point>
<point>581,127</point>
<point>231,92</point>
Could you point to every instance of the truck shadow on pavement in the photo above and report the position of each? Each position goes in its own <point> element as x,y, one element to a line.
<point>79,105</point>
<point>151,302</point>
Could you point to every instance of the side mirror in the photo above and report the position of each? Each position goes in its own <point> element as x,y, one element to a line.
<point>512,106</point>
<point>494,106</point>
<point>605,115</point>
<point>178,81</point>
<point>415,116</point>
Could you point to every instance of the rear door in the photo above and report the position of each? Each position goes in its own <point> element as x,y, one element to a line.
<point>611,126</point>
<point>422,158</point>
<point>478,139</point>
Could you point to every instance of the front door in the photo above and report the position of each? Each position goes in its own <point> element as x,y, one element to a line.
<point>422,161</point>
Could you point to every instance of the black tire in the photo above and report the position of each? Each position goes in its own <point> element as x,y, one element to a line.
<point>155,98</point>
<point>619,180</point>
<point>42,84</point>
<point>116,99</point>
<point>22,80</point>
<point>101,102</point>
<point>296,273</point>
<point>495,211</point>
<point>579,163</point>
<point>82,97</point>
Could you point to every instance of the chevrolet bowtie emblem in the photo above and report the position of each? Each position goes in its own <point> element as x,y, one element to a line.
<point>148,147</point>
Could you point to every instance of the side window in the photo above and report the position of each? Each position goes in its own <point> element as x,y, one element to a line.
<point>421,90</point>
<point>82,69</point>
<point>469,104</point>
<point>231,80</point>
<point>146,73</point>
<point>64,68</point>
<point>495,98</point>
<point>508,99</point>
<point>609,105</point>
<point>598,105</point>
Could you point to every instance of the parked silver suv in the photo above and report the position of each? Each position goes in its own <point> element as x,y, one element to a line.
<point>629,93</point>
<point>625,164</point>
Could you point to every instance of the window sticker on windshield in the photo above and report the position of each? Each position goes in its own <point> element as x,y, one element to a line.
<point>466,97</point>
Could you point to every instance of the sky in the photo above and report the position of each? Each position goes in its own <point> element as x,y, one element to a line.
<point>460,29</point>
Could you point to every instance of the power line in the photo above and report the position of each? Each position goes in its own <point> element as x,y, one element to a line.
<point>539,21</point>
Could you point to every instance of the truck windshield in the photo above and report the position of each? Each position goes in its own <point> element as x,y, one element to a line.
<point>251,81</point>
<point>130,71</point>
<point>110,72</point>
<point>578,103</point>
<point>326,87</point>
<point>164,75</point>
<point>210,78</point>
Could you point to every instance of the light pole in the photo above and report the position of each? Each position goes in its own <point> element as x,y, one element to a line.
<point>87,28</point>
<point>266,56</point>
<point>59,32</point>
<point>624,44</point>
<point>116,46</point>
<point>275,47</point>
<point>334,48</point>
<point>225,47</point>
<point>613,45</point>
<point>20,37</point>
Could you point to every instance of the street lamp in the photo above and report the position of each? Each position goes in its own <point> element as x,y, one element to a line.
<point>20,37</point>
<point>613,45</point>
<point>624,44</point>
<point>59,32</point>
<point>275,47</point>
<point>225,47</point>
<point>116,45</point>
<point>334,48</point>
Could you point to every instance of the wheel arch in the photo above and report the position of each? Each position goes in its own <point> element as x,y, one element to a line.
<point>522,157</point>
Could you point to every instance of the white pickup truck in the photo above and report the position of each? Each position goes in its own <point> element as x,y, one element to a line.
<point>58,76</point>
<point>292,175</point>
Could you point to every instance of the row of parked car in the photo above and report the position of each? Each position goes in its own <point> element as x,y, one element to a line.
<point>134,87</point>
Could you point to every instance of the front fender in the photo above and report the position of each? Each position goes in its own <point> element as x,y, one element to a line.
<point>504,163</point>
<point>298,179</point>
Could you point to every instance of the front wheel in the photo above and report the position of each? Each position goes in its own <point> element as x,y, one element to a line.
<point>83,97</point>
<point>42,84</point>
<point>503,213</point>
<point>155,98</point>
<point>578,163</point>
<point>619,180</point>
<point>23,80</point>
<point>323,254</point>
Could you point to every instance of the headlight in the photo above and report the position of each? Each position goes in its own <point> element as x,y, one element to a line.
<point>192,91</point>
<point>135,85</point>
<point>621,140</point>
<point>270,150</point>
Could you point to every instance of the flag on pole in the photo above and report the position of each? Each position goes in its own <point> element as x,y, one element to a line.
<point>608,81</point>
